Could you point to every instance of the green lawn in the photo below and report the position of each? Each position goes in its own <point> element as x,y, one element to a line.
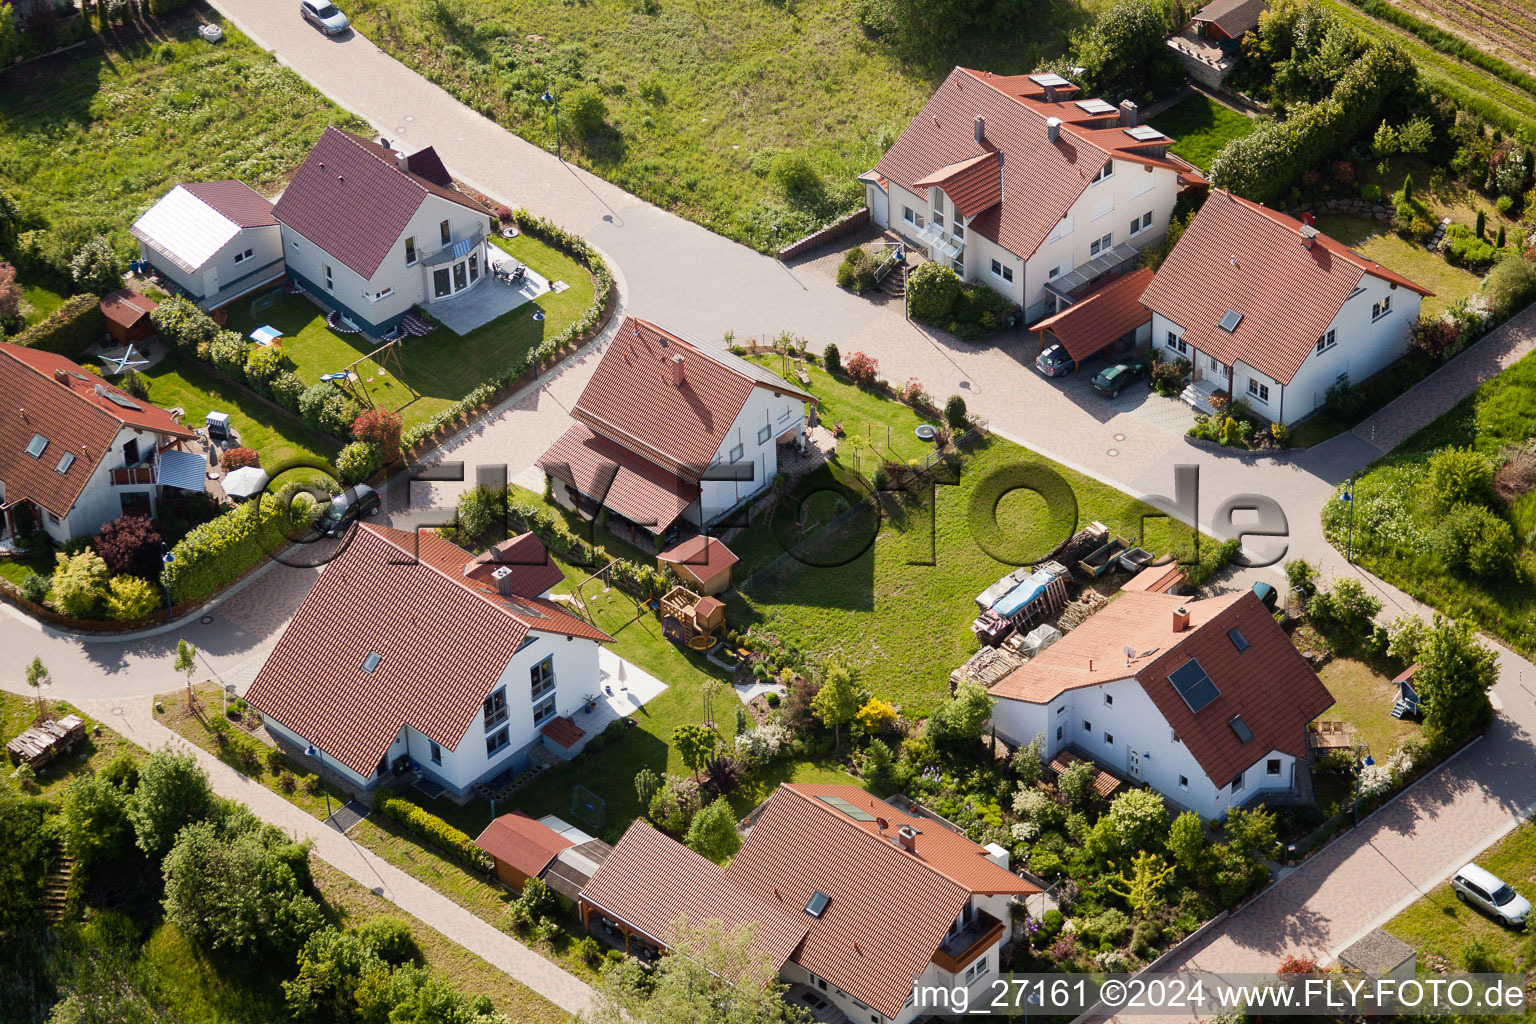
<point>434,371</point>
<point>1372,239</point>
<point>16,567</point>
<point>179,381</point>
<point>1200,127</point>
<point>18,713</point>
<point>1395,523</point>
<point>898,603</point>
<point>1364,698</point>
<point>37,301</point>
<point>1439,925</point>
<point>89,141</point>
<point>699,98</point>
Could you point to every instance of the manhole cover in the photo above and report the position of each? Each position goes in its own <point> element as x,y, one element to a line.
<point>117,711</point>
<point>410,117</point>
<point>1119,437</point>
<point>1113,452</point>
<point>206,619</point>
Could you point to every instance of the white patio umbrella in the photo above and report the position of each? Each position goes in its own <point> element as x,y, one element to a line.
<point>245,482</point>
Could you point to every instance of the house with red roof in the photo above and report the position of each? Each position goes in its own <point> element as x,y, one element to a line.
<point>671,431</point>
<point>409,647</point>
<point>77,452</point>
<point>370,231</point>
<point>854,900</point>
<point>215,240</point>
<point>1273,312</point>
<point>1017,182</point>
<point>1205,701</point>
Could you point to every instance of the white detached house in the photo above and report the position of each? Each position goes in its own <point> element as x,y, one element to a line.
<point>1271,311</point>
<point>410,647</point>
<point>1206,702</point>
<point>1017,183</point>
<point>217,240</point>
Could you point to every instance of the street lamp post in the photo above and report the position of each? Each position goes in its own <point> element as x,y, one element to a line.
<point>1349,499</point>
<point>538,339</point>
<point>551,98</point>
<point>316,753</point>
<point>167,556</point>
<point>1364,763</point>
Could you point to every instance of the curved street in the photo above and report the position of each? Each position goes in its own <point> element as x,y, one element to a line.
<point>681,275</point>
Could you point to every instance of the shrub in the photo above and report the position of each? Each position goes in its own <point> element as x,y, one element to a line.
<point>1457,476</point>
<point>1370,193</point>
<point>130,597</point>
<point>794,176</point>
<point>181,323</point>
<point>773,698</point>
<point>1481,223</point>
<point>429,826</point>
<point>389,938</point>
<point>358,461</point>
<point>1475,539</point>
<point>328,408</point>
<point>1510,285</point>
<point>1344,612</point>
<point>1433,339</point>
<point>857,271</point>
<point>227,353</point>
<point>96,267</point>
<point>134,384</point>
<point>239,458</point>
<point>1167,377</point>
<point>287,390</point>
<point>219,551</point>
<point>34,588</point>
<point>69,330</point>
<point>79,583</point>
<point>862,369</point>
<point>1464,248</point>
<point>912,392</point>
<point>1111,926</point>
<point>832,358</point>
<point>130,545</point>
<point>380,427</point>
<point>931,293</point>
<point>978,311</point>
<point>954,413</point>
<point>585,112</point>
<point>262,365</point>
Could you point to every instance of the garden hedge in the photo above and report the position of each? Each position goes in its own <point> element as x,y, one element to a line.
<point>219,551</point>
<point>429,826</point>
<point>69,330</point>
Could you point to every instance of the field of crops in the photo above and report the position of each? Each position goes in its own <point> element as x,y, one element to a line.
<point>1478,82</point>
<point>1504,27</point>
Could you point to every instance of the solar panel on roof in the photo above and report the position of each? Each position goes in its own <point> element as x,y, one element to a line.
<point>36,445</point>
<point>838,803</point>
<point>1229,320</point>
<point>1241,728</point>
<point>1055,81</point>
<point>1145,133</point>
<point>1096,106</point>
<point>124,401</point>
<point>1194,685</point>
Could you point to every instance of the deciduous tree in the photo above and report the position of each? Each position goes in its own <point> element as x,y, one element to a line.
<point>173,792</point>
<point>1455,675</point>
<point>838,700</point>
<point>712,832</point>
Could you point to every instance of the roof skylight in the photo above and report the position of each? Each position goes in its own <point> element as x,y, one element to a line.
<point>1238,640</point>
<point>64,463</point>
<point>1229,320</point>
<point>36,445</point>
<point>1241,728</point>
<point>372,661</point>
<point>818,903</point>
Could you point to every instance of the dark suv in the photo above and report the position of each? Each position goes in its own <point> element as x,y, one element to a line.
<point>348,507</point>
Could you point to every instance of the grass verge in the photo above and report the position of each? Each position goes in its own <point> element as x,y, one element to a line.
<point>17,714</point>
<point>1200,127</point>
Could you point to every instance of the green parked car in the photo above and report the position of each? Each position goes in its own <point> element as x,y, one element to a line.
<point>1112,380</point>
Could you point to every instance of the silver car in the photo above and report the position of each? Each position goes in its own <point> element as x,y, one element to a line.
<point>324,16</point>
<point>1490,894</point>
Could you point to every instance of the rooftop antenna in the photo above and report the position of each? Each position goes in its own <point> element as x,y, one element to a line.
<point>1130,652</point>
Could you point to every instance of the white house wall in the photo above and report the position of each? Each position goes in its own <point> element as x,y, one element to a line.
<point>221,270</point>
<point>763,409</point>
<point>1086,722</point>
<point>100,503</point>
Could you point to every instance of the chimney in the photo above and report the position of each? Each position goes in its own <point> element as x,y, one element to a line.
<point>402,161</point>
<point>502,577</point>
<point>997,855</point>
<point>979,126</point>
<point>678,373</point>
<point>1053,128</point>
<point>1180,619</point>
<point>1050,94</point>
<point>906,838</point>
<point>1128,114</point>
<point>62,377</point>
<point>1308,236</point>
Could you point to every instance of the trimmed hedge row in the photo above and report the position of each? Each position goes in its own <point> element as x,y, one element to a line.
<point>577,331</point>
<point>1264,164</point>
<point>219,551</point>
<point>69,330</point>
<point>430,827</point>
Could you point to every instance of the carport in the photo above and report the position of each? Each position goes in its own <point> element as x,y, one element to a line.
<point>1102,317</point>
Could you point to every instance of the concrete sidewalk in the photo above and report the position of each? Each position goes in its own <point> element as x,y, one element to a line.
<point>137,723</point>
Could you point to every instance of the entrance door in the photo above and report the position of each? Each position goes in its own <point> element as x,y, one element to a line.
<point>1133,763</point>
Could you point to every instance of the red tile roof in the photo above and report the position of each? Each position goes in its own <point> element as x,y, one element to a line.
<point>1159,579</point>
<point>351,198</point>
<point>1238,255</point>
<point>236,201</point>
<point>972,185</point>
<point>700,556</point>
<point>631,398</point>
<point>1269,684</point>
<point>54,397</point>
<point>444,642</point>
<point>636,489</point>
<point>889,910</point>
<point>650,880</point>
<point>1040,179</point>
<point>126,307</point>
<point>1099,317</point>
<point>532,570</point>
<point>1234,17</point>
<point>522,843</point>
<point>564,731</point>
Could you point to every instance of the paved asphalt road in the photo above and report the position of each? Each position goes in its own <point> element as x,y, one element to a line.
<point>683,276</point>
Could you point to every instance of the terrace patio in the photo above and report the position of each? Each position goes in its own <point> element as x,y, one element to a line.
<point>494,297</point>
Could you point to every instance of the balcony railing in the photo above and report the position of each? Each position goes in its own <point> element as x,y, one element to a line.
<point>134,476</point>
<point>963,947</point>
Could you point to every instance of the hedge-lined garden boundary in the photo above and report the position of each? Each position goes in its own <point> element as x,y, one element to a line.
<point>434,829</point>
<point>69,330</point>
<point>223,549</point>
